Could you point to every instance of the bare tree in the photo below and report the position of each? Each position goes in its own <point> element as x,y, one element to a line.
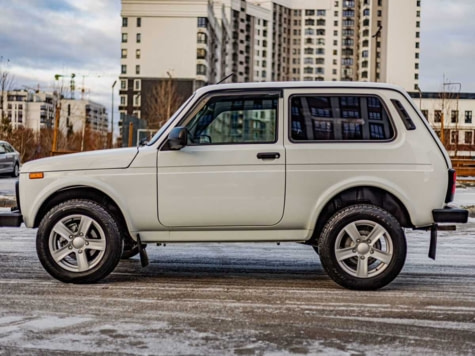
<point>6,83</point>
<point>161,103</point>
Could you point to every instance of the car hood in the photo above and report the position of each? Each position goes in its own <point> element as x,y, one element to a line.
<point>104,159</point>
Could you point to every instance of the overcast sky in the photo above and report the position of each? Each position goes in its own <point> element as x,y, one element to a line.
<point>41,38</point>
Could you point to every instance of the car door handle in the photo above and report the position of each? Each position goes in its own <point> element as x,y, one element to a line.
<point>268,155</point>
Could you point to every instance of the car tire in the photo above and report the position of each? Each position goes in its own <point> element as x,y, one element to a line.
<point>362,247</point>
<point>16,170</point>
<point>78,241</point>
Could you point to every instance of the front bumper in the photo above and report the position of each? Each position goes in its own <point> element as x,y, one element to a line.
<point>11,218</point>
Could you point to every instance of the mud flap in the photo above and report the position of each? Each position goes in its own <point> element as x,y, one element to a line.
<point>142,252</point>
<point>433,241</point>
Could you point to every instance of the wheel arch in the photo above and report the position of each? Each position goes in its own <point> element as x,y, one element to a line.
<point>359,195</point>
<point>83,192</point>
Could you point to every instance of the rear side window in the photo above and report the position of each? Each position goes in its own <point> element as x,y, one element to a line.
<point>339,118</point>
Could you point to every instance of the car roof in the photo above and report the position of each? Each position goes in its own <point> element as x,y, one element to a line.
<point>299,84</point>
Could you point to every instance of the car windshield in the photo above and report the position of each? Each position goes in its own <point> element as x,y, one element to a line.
<point>168,123</point>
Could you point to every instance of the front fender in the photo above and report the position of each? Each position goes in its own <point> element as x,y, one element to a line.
<point>34,193</point>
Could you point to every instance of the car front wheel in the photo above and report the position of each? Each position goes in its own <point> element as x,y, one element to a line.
<point>78,241</point>
<point>16,170</point>
<point>362,247</point>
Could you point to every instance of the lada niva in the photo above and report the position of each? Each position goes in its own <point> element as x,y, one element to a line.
<point>343,167</point>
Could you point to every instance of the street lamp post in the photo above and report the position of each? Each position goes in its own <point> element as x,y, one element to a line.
<point>112,115</point>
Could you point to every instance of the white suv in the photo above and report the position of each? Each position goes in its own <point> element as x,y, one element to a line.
<point>339,166</point>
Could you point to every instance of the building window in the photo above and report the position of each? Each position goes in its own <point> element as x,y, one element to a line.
<point>201,53</point>
<point>123,69</point>
<point>309,22</point>
<point>123,84</point>
<point>437,116</point>
<point>416,76</point>
<point>200,69</point>
<point>137,69</point>
<point>139,22</point>
<point>417,44</point>
<point>468,117</point>
<point>454,116</point>
<point>365,43</point>
<point>139,38</point>
<point>137,100</point>
<point>366,22</point>
<point>309,31</point>
<point>417,34</point>
<point>364,54</point>
<point>425,113</point>
<point>202,22</point>
<point>124,21</point>
<point>137,84</point>
<point>137,53</point>
<point>454,137</point>
<point>350,13</point>
<point>320,22</point>
<point>320,32</point>
<point>123,100</point>
<point>202,38</point>
<point>124,38</point>
<point>468,137</point>
<point>321,12</point>
<point>364,75</point>
<point>309,12</point>
<point>123,53</point>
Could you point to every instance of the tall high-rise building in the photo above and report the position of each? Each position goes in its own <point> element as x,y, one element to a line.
<point>199,42</point>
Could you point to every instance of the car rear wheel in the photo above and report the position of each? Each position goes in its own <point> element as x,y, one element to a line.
<point>78,241</point>
<point>362,247</point>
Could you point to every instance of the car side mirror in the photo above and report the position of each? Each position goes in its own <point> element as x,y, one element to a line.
<point>178,138</point>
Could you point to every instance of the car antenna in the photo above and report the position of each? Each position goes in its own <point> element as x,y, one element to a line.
<point>224,79</point>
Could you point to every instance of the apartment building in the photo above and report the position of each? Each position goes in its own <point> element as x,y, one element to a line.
<point>450,114</point>
<point>199,42</point>
<point>29,109</point>
<point>76,115</point>
<point>34,109</point>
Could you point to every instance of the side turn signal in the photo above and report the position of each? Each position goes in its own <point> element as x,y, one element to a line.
<point>36,175</point>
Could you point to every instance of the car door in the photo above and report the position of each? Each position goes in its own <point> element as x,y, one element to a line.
<point>232,171</point>
<point>10,157</point>
<point>3,159</point>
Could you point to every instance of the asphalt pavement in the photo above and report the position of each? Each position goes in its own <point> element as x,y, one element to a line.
<point>239,299</point>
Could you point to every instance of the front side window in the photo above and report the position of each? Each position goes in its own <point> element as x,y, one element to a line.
<point>235,120</point>
<point>339,118</point>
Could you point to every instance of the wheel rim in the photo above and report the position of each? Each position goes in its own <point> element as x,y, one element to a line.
<point>364,249</point>
<point>77,243</point>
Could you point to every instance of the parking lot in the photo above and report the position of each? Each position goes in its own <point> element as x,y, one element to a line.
<point>242,299</point>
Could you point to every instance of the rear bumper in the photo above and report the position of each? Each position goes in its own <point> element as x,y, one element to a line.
<point>12,218</point>
<point>450,215</point>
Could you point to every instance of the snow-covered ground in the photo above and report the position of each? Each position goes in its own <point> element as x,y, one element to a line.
<point>241,299</point>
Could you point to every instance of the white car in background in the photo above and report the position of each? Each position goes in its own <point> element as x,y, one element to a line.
<point>9,159</point>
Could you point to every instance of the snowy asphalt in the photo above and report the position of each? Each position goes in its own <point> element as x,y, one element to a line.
<point>240,299</point>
